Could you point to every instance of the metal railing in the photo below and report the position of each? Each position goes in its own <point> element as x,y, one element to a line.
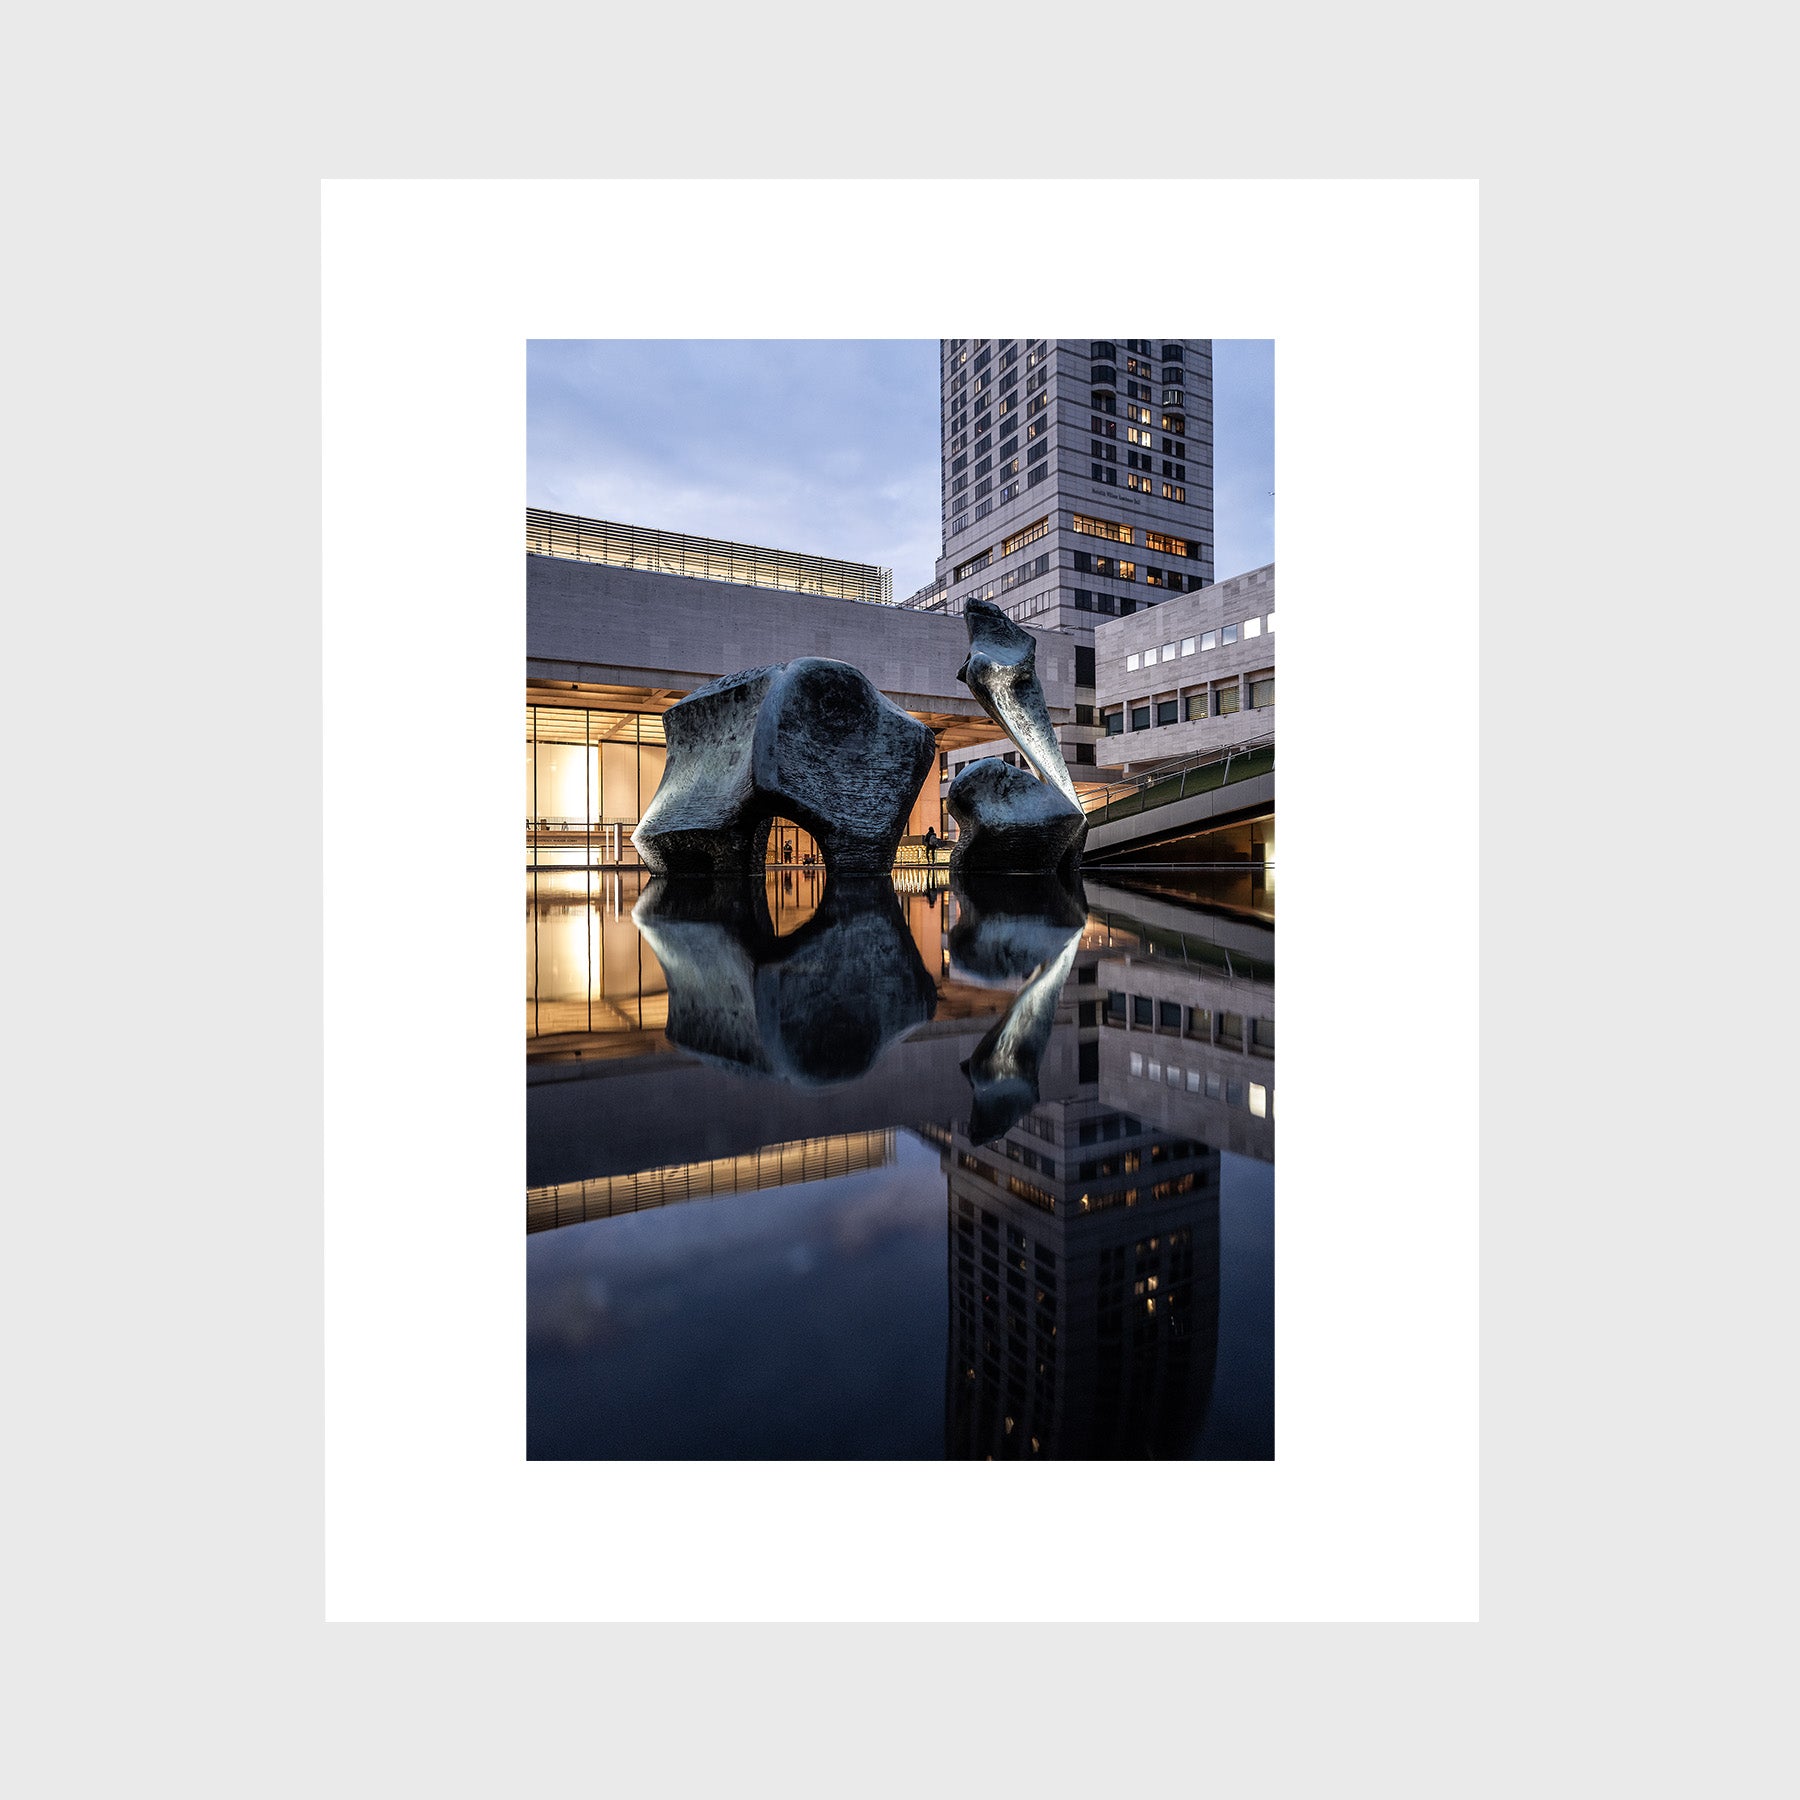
<point>1192,774</point>
<point>913,854</point>
<point>577,539</point>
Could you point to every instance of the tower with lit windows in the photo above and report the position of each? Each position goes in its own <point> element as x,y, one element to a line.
<point>1077,485</point>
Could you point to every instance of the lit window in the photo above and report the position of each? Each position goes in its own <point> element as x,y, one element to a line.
<point>1262,693</point>
<point>1137,1063</point>
<point>1252,628</point>
<point>1259,1100</point>
<point>1193,1081</point>
<point>1187,646</point>
<point>1155,1071</point>
<point>1150,657</point>
<point>1225,700</point>
<point>1168,652</point>
<point>1209,640</point>
<point>1131,662</point>
<point>1271,621</point>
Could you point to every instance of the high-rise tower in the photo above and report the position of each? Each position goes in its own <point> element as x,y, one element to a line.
<point>1077,485</point>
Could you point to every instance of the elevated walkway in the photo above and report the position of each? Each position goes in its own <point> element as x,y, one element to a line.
<point>1217,787</point>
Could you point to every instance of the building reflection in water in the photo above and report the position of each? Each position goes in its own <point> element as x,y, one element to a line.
<point>1084,1287</point>
<point>1079,1109</point>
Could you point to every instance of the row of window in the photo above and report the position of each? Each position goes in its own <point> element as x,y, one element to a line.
<point>1224,698</point>
<point>1251,1094</point>
<point>1105,350</point>
<point>1208,640</point>
<point>1232,1031</point>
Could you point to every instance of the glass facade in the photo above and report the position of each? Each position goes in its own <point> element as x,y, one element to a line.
<point>703,559</point>
<point>589,774</point>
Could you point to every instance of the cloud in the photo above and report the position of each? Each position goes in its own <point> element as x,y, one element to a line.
<point>828,446</point>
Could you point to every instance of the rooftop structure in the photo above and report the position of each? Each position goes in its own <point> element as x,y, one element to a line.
<point>706,559</point>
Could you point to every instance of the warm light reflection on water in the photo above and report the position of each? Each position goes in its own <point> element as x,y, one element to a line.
<point>947,1211</point>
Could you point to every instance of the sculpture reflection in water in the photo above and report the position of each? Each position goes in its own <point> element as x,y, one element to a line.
<point>1081,1263</point>
<point>1013,929</point>
<point>819,1005</point>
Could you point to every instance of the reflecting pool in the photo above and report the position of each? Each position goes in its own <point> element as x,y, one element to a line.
<point>872,1168</point>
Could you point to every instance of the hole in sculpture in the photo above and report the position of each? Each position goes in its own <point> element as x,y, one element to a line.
<point>794,874</point>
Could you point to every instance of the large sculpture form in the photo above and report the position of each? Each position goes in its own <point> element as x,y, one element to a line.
<point>1005,819</point>
<point>816,1007</point>
<point>810,740</point>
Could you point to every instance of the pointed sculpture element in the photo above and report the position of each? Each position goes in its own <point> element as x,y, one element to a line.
<point>1000,927</point>
<point>810,740</point>
<point>1001,672</point>
<point>1005,819</point>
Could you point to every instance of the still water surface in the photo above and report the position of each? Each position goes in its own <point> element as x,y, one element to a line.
<point>877,1174</point>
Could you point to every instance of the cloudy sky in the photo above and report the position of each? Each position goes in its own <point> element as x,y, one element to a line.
<point>824,446</point>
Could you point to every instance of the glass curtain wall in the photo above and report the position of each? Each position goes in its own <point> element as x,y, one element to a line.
<point>589,774</point>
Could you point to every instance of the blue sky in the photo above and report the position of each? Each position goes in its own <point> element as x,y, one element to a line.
<point>829,446</point>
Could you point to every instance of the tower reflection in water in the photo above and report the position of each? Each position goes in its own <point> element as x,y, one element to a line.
<point>1084,1287</point>
<point>1095,1074</point>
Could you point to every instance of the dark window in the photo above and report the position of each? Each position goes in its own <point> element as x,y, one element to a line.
<point>1141,1012</point>
<point>1140,718</point>
<point>1084,665</point>
<point>1106,603</point>
<point>1166,712</point>
<point>1084,753</point>
<point>1084,601</point>
<point>1088,1061</point>
<point>1084,562</point>
<point>1114,723</point>
<point>1168,1012</point>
